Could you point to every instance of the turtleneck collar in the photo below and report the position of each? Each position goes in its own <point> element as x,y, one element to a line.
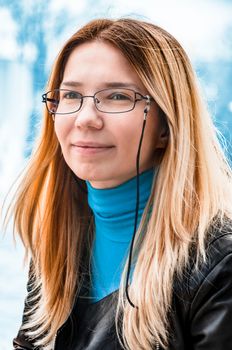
<point>114,208</point>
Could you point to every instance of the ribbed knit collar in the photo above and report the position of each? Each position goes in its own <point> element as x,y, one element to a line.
<point>114,208</point>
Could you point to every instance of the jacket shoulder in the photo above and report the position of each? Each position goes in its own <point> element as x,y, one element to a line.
<point>218,255</point>
<point>218,251</point>
<point>202,300</point>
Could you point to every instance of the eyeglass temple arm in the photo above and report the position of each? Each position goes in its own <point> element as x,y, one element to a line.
<point>45,99</point>
<point>148,106</point>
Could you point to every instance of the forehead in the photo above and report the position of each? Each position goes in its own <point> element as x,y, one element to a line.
<point>97,62</point>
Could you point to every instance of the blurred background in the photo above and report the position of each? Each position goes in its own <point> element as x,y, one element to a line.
<point>31,34</point>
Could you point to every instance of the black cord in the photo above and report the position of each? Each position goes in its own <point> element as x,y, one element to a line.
<point>136,214</point>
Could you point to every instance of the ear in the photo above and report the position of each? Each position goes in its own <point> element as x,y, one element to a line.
<point>163,138</point>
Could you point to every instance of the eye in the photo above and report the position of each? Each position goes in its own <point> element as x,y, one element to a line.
<point>118,96</point>
<point>70,95</point>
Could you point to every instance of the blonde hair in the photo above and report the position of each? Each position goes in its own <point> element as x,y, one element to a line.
<point>192,187</point>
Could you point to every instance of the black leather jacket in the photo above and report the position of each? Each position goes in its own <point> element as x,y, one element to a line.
<point>201,316</point>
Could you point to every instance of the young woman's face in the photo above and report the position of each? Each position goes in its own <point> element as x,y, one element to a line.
<point>98,146</point>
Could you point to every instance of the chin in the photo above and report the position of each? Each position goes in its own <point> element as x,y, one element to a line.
<point>88,175</point>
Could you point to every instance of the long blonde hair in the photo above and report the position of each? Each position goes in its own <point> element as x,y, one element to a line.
<point>192,187</point>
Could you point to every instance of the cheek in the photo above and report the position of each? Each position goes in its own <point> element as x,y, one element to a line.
<point>128,137</point>
<point>151,139</point>
<point>61,130</point>
<point>150,135</point>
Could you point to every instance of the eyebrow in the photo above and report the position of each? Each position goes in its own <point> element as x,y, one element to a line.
<point>71,83</point>
<point>113,84</point>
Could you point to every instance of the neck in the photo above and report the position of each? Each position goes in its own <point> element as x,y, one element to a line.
<point>114,208</point>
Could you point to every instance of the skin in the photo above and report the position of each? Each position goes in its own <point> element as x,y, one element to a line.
<point>97,146</point>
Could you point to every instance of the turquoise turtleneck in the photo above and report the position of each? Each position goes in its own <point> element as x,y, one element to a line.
<point>114,214</point>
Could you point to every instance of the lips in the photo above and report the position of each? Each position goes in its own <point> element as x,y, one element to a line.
<point>84,144</point>
<point>89,147</point>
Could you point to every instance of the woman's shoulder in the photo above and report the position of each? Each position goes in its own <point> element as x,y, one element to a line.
<point>218,244</point>
<point>213,271</point>
<point>202,301</point>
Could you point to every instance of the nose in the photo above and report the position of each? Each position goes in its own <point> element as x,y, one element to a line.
<point>88,116</point>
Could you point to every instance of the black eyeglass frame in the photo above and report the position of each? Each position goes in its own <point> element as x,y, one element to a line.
<point>45,99</point>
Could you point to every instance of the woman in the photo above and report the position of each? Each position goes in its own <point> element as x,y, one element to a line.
<point>125,208</point>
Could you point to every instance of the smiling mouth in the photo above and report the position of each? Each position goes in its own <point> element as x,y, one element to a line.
<point>93,146</point>
<point>91,149</point>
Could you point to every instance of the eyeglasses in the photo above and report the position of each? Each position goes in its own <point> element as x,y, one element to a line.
<point>118,100</point>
